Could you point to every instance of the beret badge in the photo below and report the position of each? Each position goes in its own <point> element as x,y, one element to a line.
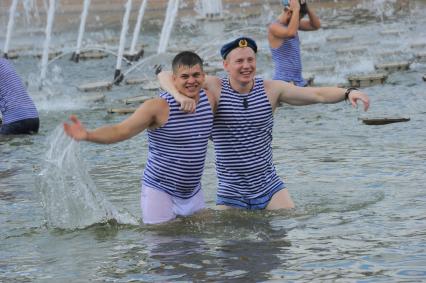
<point>242,43</point>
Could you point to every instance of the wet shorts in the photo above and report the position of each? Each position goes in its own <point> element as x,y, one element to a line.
<point>251,204</point>
<point>26,126</point>
<point>158,206</point>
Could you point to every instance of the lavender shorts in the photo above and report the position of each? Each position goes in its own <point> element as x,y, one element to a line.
<point>158,206</point>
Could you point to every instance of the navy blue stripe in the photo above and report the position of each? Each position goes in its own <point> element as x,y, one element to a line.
<point>177,150</point>
<point>287,61</point>
<point>15,103</point>
<point>242,138</point>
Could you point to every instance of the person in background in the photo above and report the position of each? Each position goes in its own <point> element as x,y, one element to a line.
<point>177,143</point>
<point>243,124</point>
<point>19,114</point>
<point>284,40</point>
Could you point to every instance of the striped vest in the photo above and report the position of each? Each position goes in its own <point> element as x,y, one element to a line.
<point>288,62</point>
<point>15,103</point>
<point>177,150</point>
<point>242,136</point>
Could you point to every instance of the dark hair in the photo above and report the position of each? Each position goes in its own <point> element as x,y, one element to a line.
<point>187,59</point>
<point>303,9</point>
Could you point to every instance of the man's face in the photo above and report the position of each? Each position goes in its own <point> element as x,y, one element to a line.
<point>241,64</point>
<point>189,80</point>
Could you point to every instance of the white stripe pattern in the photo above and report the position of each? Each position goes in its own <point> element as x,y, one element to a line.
<point>242,136</point>
<point>287,61</point>
<point>177,150</point>
<point>15,103</point>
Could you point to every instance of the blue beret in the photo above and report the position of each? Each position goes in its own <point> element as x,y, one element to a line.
<point>239,42</point>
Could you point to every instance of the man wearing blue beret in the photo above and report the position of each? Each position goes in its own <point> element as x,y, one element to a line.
<point>242,127</point>
<point>284,40</point>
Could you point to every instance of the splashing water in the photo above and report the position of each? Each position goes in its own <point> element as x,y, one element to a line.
<point>69,195</point>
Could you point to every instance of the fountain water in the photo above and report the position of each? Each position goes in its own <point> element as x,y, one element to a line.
<point>134,56</point>
<point>76,55</point>
<point>172,9</point>
<point>10,24</point>
<point>45,56</point>
<point>212,8</point>
<point>118,76</point>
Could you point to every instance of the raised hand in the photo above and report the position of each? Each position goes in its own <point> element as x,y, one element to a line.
<point>75,130</point>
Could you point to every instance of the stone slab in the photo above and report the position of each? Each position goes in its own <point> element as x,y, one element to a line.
<point>136,99</point>
<point>121,110</point>
<point>367,80</point>
<point>383,121</point>
<point>394,66</point>
<point>95,86</point>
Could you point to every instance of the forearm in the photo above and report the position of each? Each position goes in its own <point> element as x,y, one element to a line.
<point>313,19</point>
<point>293,26</point>
<point>329,94</point>
<point>106,135</point>
<point>166,83</point>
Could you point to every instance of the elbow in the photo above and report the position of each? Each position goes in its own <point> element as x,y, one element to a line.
<point>292,33</point>
<point>316,25</point>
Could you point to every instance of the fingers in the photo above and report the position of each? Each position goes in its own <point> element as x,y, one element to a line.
<point>188,107</point>
<point>364,100</point>
<point>74,119</point>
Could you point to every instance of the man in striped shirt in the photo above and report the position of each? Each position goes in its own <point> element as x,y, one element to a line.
<point>177,143</point>
<point>284,40</point>
<point>243,122</point>
<point>19,113</point>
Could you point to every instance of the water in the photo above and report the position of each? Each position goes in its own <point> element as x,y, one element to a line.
<point>10,24</point>
<point>359,189</point>
<point>82,27</point>
<point>45,54</point>
<point>137,28</point>
<point>123,34</point>
<point>172,10</point>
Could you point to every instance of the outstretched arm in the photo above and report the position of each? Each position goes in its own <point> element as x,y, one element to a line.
<point>284,92</point>
<point>151,114</point>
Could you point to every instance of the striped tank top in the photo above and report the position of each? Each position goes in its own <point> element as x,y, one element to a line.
<point>177,150</point>
<point>242,136</point>
<point>288,62</point>
<point>15,103</point>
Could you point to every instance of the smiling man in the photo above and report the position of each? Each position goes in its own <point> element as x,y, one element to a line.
<point>243,122</point>
<point>177,141</point>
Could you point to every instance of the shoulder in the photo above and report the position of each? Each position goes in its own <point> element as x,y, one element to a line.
<point>154,105</point>
<point>275,87</point>
<point>276,26</point>
<point>213,85</point>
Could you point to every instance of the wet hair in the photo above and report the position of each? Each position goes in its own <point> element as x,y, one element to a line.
<point>186,59</point>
